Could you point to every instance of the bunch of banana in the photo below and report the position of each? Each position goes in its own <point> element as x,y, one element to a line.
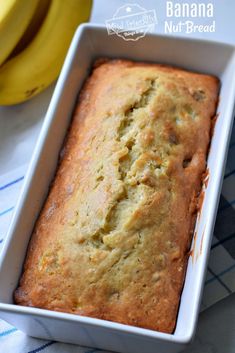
<point>34,38</point>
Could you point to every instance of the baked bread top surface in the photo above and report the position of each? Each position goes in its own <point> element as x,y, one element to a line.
<point>112,239</point>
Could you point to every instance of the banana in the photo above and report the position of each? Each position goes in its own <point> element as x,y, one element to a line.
<point>33,27</point>
<point>39,64</point>
<point>15,16</point>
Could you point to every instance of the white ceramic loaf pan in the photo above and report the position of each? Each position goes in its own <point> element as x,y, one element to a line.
<point>90,42</point>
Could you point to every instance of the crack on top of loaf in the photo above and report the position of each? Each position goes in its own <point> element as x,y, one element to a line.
<point>129,114</point>
<point>144,98</point>
<point>127,136</point>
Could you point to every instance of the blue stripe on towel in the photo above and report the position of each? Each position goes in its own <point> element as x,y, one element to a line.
<point>6,211</point>
<point>220,242</point>
<point>39,349</point>
<point>220,274</point>
<point>8,332</point>
<point>220,281</point>
<point>11,183</point>
<point>229,174</point>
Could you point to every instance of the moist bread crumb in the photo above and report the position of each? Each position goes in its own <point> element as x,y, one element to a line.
<point>112,239</point>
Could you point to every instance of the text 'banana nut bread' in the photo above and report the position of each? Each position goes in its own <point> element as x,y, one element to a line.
<point>113,237</point>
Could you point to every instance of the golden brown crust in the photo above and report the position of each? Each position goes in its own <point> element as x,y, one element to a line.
<point>113,236</point>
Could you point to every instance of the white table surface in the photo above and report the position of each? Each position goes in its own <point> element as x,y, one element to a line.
<point>20,126</point>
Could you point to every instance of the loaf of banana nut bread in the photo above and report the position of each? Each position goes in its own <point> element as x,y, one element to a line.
<point>113,237</point>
